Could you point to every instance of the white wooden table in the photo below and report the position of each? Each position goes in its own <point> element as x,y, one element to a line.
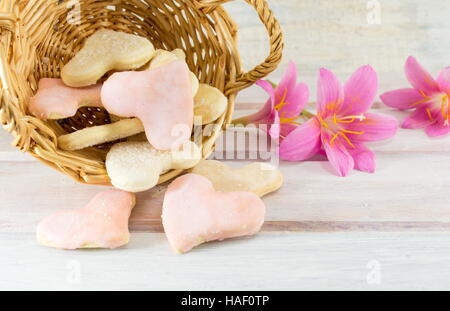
<point>384,231</point>
<point>388,230</point>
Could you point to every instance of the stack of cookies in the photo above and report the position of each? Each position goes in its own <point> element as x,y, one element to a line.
<point>153,99</point>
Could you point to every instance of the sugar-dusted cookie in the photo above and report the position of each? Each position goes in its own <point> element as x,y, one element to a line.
<point>163,57</point>
<point>258,178</point>
<point>137,166</point>
<point>194,83</point>
<point>161,98</point>
<point>103,223</point>
<point>210,103</point>
<point>106,50</point>
<point>195,213</point>
<point>101,134</point>
<point>55,100</point>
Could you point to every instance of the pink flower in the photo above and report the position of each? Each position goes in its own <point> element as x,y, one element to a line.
<point>342,125</point>
<point>282,111</point>
<point>429,98</point>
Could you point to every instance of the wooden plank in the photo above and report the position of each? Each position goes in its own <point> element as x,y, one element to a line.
<point>407,192</point>
<point>268,261</point>
<point>406,188</point>
<point>342,35</point>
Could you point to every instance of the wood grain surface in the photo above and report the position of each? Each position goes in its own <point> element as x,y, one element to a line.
<point>387,230</point>
<point>345,34</point>
<point>407,193</point>
<point>268,261</point>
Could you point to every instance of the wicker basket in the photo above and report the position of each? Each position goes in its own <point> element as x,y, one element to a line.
<point>39,36</point>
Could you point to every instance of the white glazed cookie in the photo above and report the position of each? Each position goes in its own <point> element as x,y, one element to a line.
<point>104,51</point>
<point>258,178</point>
<point>137,166</point>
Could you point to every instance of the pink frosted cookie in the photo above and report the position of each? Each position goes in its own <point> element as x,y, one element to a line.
<point>55,100</point>
<point>161,98</point>
<point>194,213</point>
<point>103,223</point>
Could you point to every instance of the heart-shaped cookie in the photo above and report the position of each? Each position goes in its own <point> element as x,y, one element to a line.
<point>209,104</point>
<point>258,178</point>
<point>104,51</point>
<point>55,100</point>
<point>163,57</point>
<point>137,166</point>
<point>103,223</point>
<point>194,213</point>
<point>161,98</point>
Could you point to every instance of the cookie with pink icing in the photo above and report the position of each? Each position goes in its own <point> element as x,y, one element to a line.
<point>161,98</point>
<point>195,213</point>
<point>103,223</point>
<point>55,100</point>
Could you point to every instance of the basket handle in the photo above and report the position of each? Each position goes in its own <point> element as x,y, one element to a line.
<point>7,20</point>
<point>244,80</point>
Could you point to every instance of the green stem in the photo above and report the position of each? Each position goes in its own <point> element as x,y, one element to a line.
<point>240,121</point>
<point>274,85</point>
<point>308,114</point>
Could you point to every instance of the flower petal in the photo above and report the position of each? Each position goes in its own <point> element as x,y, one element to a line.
<point>419,78</point>
<point>374,128</point>
<point>266,114</point>
<point>364,158</point>
<point>330,93</point>
<point>266,86</point>
<point>287,128</point>
<point>417,120</point>
<point>402,99</point>
<point>302,143</point>
<point>444,80</point>
<point>360,91</point>
<point>339,158</point>
<point>296,100</point>
<point>437,129</point>
<point>287,83</point>
<point>275,127</point>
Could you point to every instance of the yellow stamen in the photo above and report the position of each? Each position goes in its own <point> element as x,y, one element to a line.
<point>333,139</point>
<point>353,132</point>
<point>429,114</point>
<point>282,102</point>
<point>445,107</point>
<point>324,124</point>
<point>348,119</point>
<point>424,100</point>
<point>339,130</point>
<point>280,105</point>
<point>284,120</point>
<point>347,139</point>
<point>290,120</point>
